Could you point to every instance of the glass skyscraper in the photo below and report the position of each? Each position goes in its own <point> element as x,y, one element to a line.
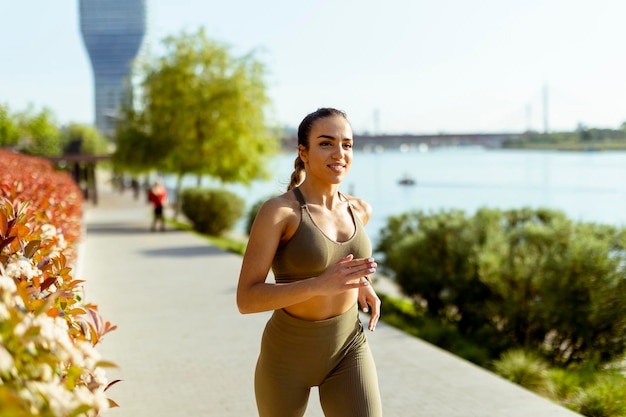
<point>113,31</point>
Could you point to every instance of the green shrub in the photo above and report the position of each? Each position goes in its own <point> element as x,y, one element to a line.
<point>525,369</point>
<point>565,383</point>
<point>212,211</point>
<point>401,314</point>
<point>253,212</point>
<point>606,398</point>
<point>413,320</point>
<point>527,278</point>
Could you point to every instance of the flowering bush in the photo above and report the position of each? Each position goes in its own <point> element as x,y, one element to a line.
<point>48,362</point>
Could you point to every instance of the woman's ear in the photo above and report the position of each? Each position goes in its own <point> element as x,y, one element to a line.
<point>303,153</point>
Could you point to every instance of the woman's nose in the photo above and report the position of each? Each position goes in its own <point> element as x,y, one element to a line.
<point>338,152</point>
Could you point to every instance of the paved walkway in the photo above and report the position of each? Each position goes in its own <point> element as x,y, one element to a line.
<point>184,350</point>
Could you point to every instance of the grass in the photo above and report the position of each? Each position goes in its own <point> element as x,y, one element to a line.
<point>227,242</point>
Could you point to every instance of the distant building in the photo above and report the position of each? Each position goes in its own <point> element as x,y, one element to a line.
<point>113,32</point>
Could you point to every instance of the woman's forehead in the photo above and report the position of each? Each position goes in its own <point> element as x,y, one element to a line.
<point>335,127</point>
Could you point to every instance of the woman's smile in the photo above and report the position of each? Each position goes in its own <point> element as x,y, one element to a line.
<point>337,167</point>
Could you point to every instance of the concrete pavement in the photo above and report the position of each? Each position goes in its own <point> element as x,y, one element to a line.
<point>183,349</point>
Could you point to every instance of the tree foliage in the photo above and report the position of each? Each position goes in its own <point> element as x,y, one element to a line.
<point>518,278</point>
<point>9,131</point>
<point>38,133</point>
<point>43,136</point>
<point>198,110</point>
<point>30,131</point>
<point>84,139</point>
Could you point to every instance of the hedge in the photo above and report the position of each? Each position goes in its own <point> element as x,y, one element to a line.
<point>48,362</point>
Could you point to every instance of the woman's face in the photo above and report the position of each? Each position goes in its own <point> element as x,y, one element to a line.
<point>329,156</point>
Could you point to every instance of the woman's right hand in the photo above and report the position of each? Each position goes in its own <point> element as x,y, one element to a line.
<point>346,275</point>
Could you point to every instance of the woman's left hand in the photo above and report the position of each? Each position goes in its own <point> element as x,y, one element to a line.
<point>369,300</point>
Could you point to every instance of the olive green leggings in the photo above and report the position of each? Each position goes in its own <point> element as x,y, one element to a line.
<point>332,354</point>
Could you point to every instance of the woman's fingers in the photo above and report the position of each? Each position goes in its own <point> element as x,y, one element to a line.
<point>363,302</point>
<point>361,266</point>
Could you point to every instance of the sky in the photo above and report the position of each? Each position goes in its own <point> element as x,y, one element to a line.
<point>395,66</point>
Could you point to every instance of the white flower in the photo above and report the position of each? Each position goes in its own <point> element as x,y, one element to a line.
<point>60,400</point>
<point>89,354</point>
<point>22,268</point>
<point>6,361</point>
<point>100,377</point>
<point>48,232</point>
<point>7,284</point>
<point>9,297</point>
<point>45,372</point>
<point>5,314</point>
<point>20,328</point>
<point>53,334</point>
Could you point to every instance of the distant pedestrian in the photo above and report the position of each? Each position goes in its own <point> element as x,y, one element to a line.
<point>157,196</point>
<point>314,240</point>
<point>134,184</point>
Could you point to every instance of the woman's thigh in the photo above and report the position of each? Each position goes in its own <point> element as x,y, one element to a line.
<point>352,389</point>
<point>279,395</point>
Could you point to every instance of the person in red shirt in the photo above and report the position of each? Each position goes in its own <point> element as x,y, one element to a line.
<point>157,196</point>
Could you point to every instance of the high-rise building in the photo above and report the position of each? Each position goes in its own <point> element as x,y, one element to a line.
<point>113,31</point>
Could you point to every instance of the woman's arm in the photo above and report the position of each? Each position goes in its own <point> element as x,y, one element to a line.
<point>367,295</point>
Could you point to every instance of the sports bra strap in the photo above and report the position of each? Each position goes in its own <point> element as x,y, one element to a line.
<point>299,196</point>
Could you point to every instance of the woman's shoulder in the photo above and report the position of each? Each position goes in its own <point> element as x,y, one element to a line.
<point>280,214</point>
<point>361,207</point>
<point>282,205</point>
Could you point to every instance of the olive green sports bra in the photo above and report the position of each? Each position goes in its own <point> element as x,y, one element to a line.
<point>310,252</point>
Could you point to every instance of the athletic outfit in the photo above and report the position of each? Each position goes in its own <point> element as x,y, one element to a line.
<point>333,353</point>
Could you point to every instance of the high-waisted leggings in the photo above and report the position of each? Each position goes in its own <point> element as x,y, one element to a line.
<point>332,354</point>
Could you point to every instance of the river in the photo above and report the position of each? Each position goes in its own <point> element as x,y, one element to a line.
<point>587,186</point>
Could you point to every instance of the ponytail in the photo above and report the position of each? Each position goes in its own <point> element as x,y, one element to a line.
<point>296,176</point>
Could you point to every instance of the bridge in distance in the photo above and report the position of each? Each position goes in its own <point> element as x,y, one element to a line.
<point>373,142</point>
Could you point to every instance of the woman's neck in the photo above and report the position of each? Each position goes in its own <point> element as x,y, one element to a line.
<point>327,196</point>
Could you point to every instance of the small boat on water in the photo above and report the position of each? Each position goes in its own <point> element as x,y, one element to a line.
<point>406,180</point>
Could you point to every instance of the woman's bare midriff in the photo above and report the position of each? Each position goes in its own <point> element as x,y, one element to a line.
<point>323,307</point>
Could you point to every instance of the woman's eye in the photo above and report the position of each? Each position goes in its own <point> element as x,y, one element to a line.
<point>347,145</point>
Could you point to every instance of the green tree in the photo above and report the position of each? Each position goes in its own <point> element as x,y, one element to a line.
<point>40,133</point>
<point>198,110</point>
<point>84,139</point>
<point>9,130</point>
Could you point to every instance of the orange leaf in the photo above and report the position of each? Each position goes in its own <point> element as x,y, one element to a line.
<point>31,248</point>
<point>76,311</point>
<point>107,364</point>
<point>75,283</point>
<point>4,224</point>
<point>93,334</point>
<point>47,283</point>
<point>65,271</point>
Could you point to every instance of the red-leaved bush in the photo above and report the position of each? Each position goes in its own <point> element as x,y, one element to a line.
<point>48,363</point>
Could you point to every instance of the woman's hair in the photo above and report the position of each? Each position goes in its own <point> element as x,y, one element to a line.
<point>304,130</point>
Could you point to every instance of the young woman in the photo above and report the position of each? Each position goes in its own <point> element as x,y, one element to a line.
<point>313,239</point>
